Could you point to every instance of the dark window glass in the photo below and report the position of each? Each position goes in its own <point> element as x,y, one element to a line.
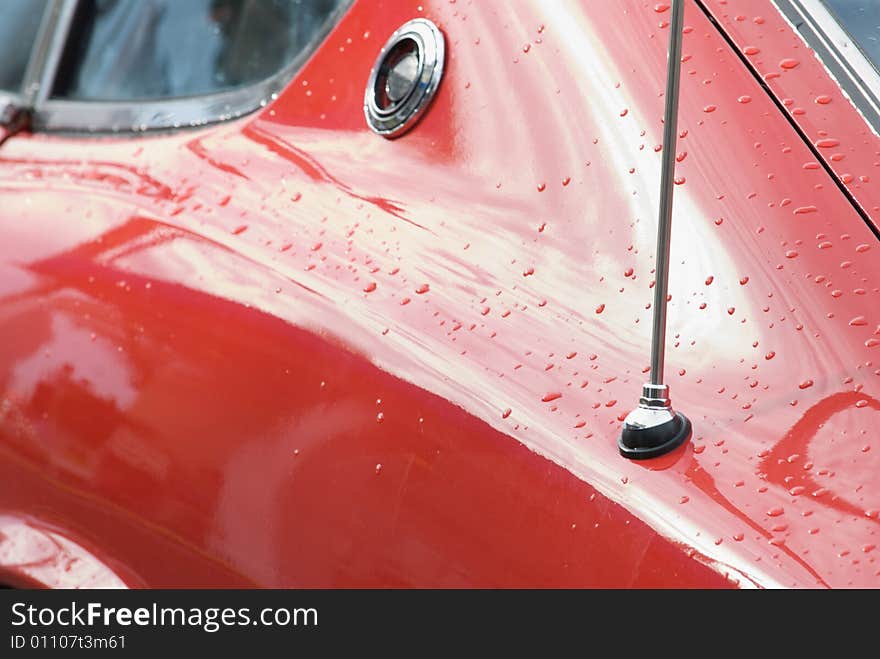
<point>861,18</point>
<point>19,23</point>
<point>123,50</point>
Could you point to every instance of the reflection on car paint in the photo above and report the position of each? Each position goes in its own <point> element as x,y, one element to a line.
<point>226,394</point>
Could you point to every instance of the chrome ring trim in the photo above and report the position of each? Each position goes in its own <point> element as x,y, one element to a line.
<point>403,115</point>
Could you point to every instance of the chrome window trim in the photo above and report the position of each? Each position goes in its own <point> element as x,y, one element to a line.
<point>135,117</point>
<point>23,97</point>
<point>140,116</point>
<point>845,61</point>
<point>10,107</point>
<point>46,51</point>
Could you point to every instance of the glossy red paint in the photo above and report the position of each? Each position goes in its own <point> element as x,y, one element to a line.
<point>799,80</point>
<point>284,351</point>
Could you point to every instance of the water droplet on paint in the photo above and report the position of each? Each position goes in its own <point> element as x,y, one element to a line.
<point>804,210</point>
<point>827,143</point>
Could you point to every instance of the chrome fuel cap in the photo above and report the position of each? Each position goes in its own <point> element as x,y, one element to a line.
<point>404,78</point>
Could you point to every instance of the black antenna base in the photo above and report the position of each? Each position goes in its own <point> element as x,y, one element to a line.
<point>653,428</point>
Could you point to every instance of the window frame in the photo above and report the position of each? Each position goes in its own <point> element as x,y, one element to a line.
<point>846,62</point>
<point>137,116</point>
<point>11,101</point>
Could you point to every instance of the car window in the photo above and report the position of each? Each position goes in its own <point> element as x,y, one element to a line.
<point>19,23</point>
<point>137,50</point>
<point>861,19</point>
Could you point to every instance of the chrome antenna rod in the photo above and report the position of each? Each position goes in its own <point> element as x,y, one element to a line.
<point>653,428</point>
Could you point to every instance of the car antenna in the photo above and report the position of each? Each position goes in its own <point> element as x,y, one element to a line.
<point>653,428</point>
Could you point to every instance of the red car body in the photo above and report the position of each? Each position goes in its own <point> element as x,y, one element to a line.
<point>284,351</point>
